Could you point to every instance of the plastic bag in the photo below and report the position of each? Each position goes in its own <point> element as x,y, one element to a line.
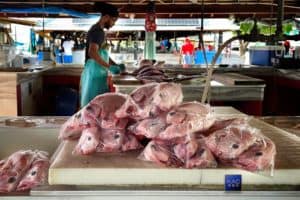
<point>98,112</point>
<point>180,152</point>
<point>23,167</point>
<point>243,146</point>
<point>258,158</point>
<point>186,119</point>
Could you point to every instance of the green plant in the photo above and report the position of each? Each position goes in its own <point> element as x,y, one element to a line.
<point>264,29</point>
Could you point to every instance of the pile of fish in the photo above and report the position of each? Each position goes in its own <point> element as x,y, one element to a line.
<point>178,134</point>
<point>149,72</point>
<point>101,126</point>
<point>98,128</point>
<point>23,170</point>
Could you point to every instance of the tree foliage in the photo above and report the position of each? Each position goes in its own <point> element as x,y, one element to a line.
<point>263,28</point>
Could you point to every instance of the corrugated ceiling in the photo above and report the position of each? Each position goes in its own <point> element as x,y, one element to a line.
<point>168,8</point>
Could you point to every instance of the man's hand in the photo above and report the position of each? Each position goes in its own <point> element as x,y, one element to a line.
<point>114,69</point>
<point>122,67</point>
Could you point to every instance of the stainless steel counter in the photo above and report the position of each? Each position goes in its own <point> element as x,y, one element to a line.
<point>289,123</point>
<point>219,92</point>
<point>174,194</point>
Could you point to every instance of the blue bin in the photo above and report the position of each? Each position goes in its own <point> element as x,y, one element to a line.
<point>199,57</point>
<point>40,55</point>
<point>263,55</point>
<point>58,59</point>
<point>66,102</point>
<point>67,59</point>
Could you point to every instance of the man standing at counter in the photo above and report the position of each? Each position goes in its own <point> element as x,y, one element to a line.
<point>95,74</point>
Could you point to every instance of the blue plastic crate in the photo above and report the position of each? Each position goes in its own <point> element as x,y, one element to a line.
<point>67,59</point>
<point>199,57</point>
<point>58,59</point>
<point>40,56</point>
<point>263,55</point>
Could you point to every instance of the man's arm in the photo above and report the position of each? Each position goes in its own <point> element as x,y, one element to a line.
<point>112,62</point>
<point>93,53</point>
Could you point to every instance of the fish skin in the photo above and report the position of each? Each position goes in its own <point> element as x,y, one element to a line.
<point>88,141</point>
<point>14,169</point>
<point>35,176</point>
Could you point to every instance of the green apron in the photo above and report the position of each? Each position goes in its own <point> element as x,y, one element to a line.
<point>94,79</point>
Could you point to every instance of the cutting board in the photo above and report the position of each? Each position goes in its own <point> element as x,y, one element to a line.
<point>237,79</point>
<point>126,169</point>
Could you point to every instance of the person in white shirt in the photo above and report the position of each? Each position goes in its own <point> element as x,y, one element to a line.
<point>68,45</point>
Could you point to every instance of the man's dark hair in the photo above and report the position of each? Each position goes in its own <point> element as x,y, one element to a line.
<point>106,9</point>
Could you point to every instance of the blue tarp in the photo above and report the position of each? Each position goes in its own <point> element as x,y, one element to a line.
<point>47,10</point>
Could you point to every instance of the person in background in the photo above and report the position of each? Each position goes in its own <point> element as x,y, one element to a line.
<point>210,47</point>
<point>287,46</point>
<point>162,45</point>
<point>187,52</point>
<point>68,45</point>
<point>95,76</point>
<point>168,45</point>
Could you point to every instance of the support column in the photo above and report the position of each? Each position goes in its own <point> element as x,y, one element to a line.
<point>135,46</point>
<point>150,49</point>
<point>280,16</point>
<point>150,36</point>
<point>220,42</point>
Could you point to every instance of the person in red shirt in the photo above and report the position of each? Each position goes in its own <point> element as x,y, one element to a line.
<point>187,52</point>
<point>287,46</point>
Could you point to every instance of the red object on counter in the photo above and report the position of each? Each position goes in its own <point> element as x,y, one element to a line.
<point>110,84</point>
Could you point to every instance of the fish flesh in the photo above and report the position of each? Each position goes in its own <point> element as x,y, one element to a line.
<point>88,141</point>
<point>186,119</point>
<point>37,174</point>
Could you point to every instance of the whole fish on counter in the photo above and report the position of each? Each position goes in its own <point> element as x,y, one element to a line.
<point>175,134</point>
<point>88,142</point>
<point>15,170</point>
<point>2,163</point>
<point>149,100</point>
<point>111,140</point>
<point>179,152</point>
<point>195,154</point>
<point>148,72</point>
<point>258,157</point>
<point>161,154</point>
<point>147,64</point>
<point>186,119</point>
<point>98,127</point>
<point>37,174</point>
<point>96,139</point>
<point>149,127</point>
<point>130,142</point>
<point>99,112</point>
<point>230,142</point>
